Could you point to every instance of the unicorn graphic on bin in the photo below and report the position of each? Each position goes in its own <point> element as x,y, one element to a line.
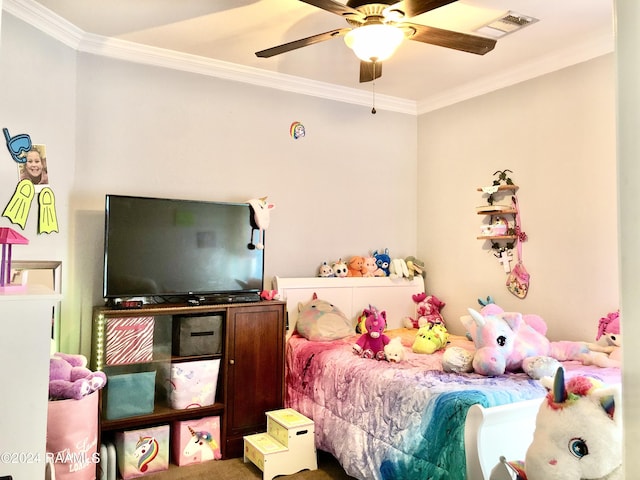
<point>146,450</point>
<point>201,442</point>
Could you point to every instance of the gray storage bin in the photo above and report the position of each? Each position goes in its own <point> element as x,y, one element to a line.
<point>197,335</point>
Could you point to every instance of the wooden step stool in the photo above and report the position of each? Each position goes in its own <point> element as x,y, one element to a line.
<point>287,446</point>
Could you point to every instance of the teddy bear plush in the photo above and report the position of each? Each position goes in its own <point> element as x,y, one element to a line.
<point>372,343</point>
<point>371,268</point>
<point>394,351</point>
<point>69,377</point>
<point>355,267</point>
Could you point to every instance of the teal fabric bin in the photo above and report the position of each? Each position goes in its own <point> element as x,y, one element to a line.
<point>130,394</point>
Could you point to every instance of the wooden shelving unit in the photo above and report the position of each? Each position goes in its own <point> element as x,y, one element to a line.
<point>250,378</point>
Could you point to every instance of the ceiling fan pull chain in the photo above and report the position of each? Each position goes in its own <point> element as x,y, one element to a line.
<point>373,86</point>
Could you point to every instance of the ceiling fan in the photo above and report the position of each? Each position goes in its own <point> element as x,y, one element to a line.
<point>383,23</point>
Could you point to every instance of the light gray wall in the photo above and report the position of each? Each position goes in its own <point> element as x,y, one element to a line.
<point>351,184</point>
<point>347,188</point>
<point>557,135</point>
<point>38,98</point>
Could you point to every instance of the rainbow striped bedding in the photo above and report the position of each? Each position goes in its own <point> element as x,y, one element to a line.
<point>388,421</point>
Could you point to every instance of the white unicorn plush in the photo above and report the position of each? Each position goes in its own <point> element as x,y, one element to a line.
<point>261,218</point>
<point>578,434</point>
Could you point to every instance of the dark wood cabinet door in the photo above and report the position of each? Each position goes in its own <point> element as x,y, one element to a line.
<point>255,371</point>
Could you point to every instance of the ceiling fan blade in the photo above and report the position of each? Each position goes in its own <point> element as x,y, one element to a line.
<point>412,8</point>
<point>337,8</point>
<point>450,39</point>
<point>367,71</point>
<point>303,42</point>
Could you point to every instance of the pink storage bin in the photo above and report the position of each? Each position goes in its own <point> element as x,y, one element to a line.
<point>72,437</point>
<point>195,441</point>
<point>129,340</point>
<point>144,451</point>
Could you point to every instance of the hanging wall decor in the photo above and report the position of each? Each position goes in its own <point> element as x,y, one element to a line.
<point>33,177</point>
<point>297,130</point>
<point>502,227</point>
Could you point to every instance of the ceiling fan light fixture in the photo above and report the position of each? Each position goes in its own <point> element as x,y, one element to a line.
<point>375,42</point>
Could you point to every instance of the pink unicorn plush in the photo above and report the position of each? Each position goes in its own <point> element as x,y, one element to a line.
<point>372,343</point>
<point>511,342</point>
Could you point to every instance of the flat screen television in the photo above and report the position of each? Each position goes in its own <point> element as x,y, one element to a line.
<point>159,248</point>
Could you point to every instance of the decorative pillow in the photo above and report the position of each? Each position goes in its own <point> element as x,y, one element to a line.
<point>320,321</point>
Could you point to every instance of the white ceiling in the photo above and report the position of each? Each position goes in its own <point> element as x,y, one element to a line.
<point>568,32</point>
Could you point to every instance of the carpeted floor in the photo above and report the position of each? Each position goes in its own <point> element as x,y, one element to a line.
<point>236,469</point>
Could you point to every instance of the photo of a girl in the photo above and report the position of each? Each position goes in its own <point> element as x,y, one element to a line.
<point>35,168</point>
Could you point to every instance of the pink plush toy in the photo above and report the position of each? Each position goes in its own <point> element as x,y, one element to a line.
<point>370,268</point>
<point>372,343</point>
<point>608,351</point>
<point>428,309</point>
<point>69,377</point>
<point>609,327</point>
<point>511,342</point>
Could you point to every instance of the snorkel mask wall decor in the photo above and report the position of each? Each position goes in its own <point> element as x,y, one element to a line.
<point>33,177</point>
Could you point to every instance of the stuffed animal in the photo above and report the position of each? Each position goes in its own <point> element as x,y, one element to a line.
<point>394,351</point>
<point>360,326</point>
<point>415,267</point>
<point>607,352</point>
<point>269,295</point>
<point>578,434</point>
<point>321,321</point>
<point>430,338</point>
<point>372,343</point>
<point>325,270</point>
<point>340,268</point>
<point>457,360</point>
<point>398,268</point>
<point>355,267</point>
<point>371,268</point>
<point>428,309</point>
<point>69,377</point>
<point>506,342</point>
<point>261,218</point>
<point>383,260</point>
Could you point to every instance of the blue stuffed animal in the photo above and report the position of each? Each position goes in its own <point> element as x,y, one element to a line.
<point>383,261</point>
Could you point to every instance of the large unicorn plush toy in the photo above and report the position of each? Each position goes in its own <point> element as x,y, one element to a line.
<point>578,434</point>
<point>511,342</point>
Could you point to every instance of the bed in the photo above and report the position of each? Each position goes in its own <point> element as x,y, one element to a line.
<point>407,420</point>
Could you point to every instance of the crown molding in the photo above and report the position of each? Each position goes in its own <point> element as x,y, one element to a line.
<point>60,29</point>
<point>144,54</point>
<point>44,20</point>
<point>550,63</point>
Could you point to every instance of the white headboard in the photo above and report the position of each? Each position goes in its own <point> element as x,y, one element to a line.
<point>352,295</point>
